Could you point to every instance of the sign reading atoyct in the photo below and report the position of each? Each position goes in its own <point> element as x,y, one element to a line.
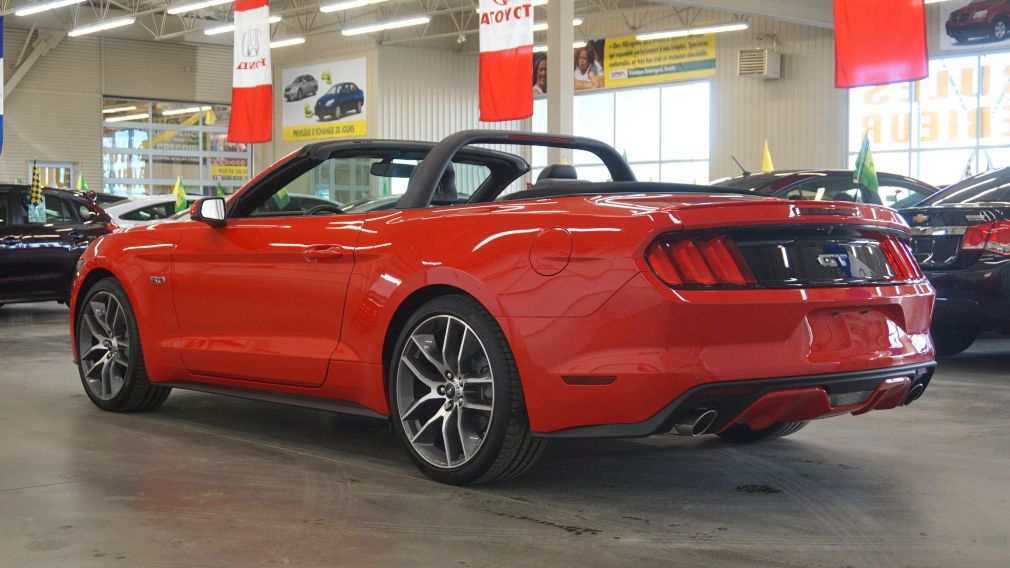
<point>251,94</point>
<point>324,101</point>
<point>506,57</point>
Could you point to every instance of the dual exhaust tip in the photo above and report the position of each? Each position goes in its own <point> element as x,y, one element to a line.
<point>695,423</point>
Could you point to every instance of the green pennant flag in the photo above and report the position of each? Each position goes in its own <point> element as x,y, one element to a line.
<point>220,190</point>
<point>82,184</point>
<point>281,198</point>
<point>19,180</point>
<point>180,195</point>
<point>385,186</point>
<point>865,173</point>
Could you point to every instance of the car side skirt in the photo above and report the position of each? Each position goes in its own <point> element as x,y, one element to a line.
<point>332,405</point>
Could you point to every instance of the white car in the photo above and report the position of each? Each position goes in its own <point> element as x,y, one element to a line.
<point>144,210</point>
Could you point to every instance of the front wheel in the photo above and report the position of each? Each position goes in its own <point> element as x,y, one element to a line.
<point>743,434</point>
<point>110,359</point>
<point>455,397</point>
<point>999,29</point>
<point>357,107</point>
<point>952,339</point>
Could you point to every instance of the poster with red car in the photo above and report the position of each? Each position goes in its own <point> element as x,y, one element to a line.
<point>973,25</point>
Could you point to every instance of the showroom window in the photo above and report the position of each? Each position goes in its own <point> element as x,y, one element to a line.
<point>955,122</point>
<point>146,145</point>
<point>662,131</point>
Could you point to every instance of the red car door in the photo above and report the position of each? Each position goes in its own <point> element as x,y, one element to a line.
<point>262,299</point>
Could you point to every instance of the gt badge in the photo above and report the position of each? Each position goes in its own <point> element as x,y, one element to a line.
<point>833,260</point>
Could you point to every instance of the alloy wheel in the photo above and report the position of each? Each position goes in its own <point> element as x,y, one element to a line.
<point>444,391</point>
<point>104,345</point>
<point>999,29</point>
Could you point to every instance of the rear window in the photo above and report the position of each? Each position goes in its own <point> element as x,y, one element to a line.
<point>990,187</point>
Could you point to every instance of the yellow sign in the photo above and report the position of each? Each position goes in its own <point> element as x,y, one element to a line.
<point>628,62</point>
<point>229,171</point>
<point>325,130</point>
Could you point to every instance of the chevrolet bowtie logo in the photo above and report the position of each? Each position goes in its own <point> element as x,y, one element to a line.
<point>920,218</point>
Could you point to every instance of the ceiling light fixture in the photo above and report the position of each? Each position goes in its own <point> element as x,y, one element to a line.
<point>386,26</point>
<point>118,109</point>
<point>183,8</point>
<point>347,5</point>
<point>287,42</point>
<point>126,117</point>
<point>541,26</point>
<point>223,29</point>
<point>101,26</point>
<point>700,30</point>
<point>43,6</point>
<point>187,110</point>
<point>543,48</point>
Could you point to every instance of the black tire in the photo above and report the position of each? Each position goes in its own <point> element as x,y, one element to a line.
<point>742,434</point>
<point>357,107</point>
<point>137,392</point>
<point>508,448</point>
<point>298,94</point>
<point>1000,29</point>
<point>952,339</point>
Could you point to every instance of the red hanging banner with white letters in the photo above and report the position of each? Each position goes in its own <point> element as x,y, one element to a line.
<point>879,42</point>
<point>252,77</point>
<point>506,58</point>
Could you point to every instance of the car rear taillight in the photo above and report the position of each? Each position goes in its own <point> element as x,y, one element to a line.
<point>710,261</point>
<point>902,262</point>
<point>988,237</point>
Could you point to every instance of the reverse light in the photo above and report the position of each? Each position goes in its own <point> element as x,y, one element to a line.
<point>991,237</point>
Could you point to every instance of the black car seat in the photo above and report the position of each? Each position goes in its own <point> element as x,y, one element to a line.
<point>445,192</point>
<point>558,171</point>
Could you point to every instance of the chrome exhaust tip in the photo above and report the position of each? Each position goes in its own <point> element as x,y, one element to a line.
<point>913,394</point>
<point>695,423</point>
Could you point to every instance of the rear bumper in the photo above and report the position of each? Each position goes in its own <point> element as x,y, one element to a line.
<point>761,403</point>
<point>977,296</point>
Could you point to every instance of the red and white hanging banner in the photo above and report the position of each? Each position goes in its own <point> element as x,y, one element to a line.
<point>252,76</point>
<point>506,57</point>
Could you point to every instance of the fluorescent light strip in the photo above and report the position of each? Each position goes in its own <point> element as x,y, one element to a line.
<point>188,110</point>
<point>714,29</point>
<point>541,26</point>
<point>117,109</point>
<point>543,48</point>
<point>287,42</point>
<point>43,6</point>
<point>347,5</point>
<point>183,8</point>
<point>101,26</point>
<point>386,26</point>
<point>126,117</point>
<point>231,27</point>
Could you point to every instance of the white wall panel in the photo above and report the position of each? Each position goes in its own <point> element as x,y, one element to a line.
<point>167,71</point>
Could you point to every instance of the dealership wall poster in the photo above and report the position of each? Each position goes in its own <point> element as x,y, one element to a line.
<point>974,26</point>
<point>626,62</point>
<point>323,101</point>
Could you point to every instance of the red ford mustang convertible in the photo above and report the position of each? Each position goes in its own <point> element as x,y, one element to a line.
<point>482,321</point>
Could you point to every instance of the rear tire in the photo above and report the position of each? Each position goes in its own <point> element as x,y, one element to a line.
<point>952,339</point>
<point>742,433</point>
<point>455,399</point>
<point>110,357</point>
<point>999,29</point>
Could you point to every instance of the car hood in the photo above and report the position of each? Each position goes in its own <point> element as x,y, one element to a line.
<point>980,6</point>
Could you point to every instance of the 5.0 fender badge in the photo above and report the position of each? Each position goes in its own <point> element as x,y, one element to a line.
<point>158,280</point>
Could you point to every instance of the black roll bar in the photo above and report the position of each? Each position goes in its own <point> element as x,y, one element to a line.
<point>427,174</point>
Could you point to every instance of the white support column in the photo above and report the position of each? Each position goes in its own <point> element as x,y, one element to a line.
<point>560,81</point>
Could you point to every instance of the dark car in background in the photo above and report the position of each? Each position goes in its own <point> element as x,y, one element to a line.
<point>980,19</point>
<point>303,86</point>
<point>38,260</point>
<point>961,238</point>
<point>339,100</point>
<point>895,191</point>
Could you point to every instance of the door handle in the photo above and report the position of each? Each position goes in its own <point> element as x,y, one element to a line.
<point>320,253</point>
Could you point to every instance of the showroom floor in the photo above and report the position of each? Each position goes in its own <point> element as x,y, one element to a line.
<point>214,481</point>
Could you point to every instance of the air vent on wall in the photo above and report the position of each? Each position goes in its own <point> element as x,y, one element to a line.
<point>759,64</point>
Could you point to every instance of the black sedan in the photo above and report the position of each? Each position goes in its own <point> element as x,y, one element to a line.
<point>832,185</point>
<point>961,238</point>
<point>38,259</point>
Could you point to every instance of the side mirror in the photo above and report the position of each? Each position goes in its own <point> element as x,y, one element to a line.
<point>210,210</point>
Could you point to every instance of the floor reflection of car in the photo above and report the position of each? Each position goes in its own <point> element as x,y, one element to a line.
<point>303,86</point>
<point>146,209</point>
<point>961,238</point>
<point>832,185</point>
<point>338,100</point>
<point>482,326</point>
<point>981,19</point>
<point>37,260</point>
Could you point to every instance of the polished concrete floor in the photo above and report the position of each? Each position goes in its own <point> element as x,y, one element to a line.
<point>215,481</point>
